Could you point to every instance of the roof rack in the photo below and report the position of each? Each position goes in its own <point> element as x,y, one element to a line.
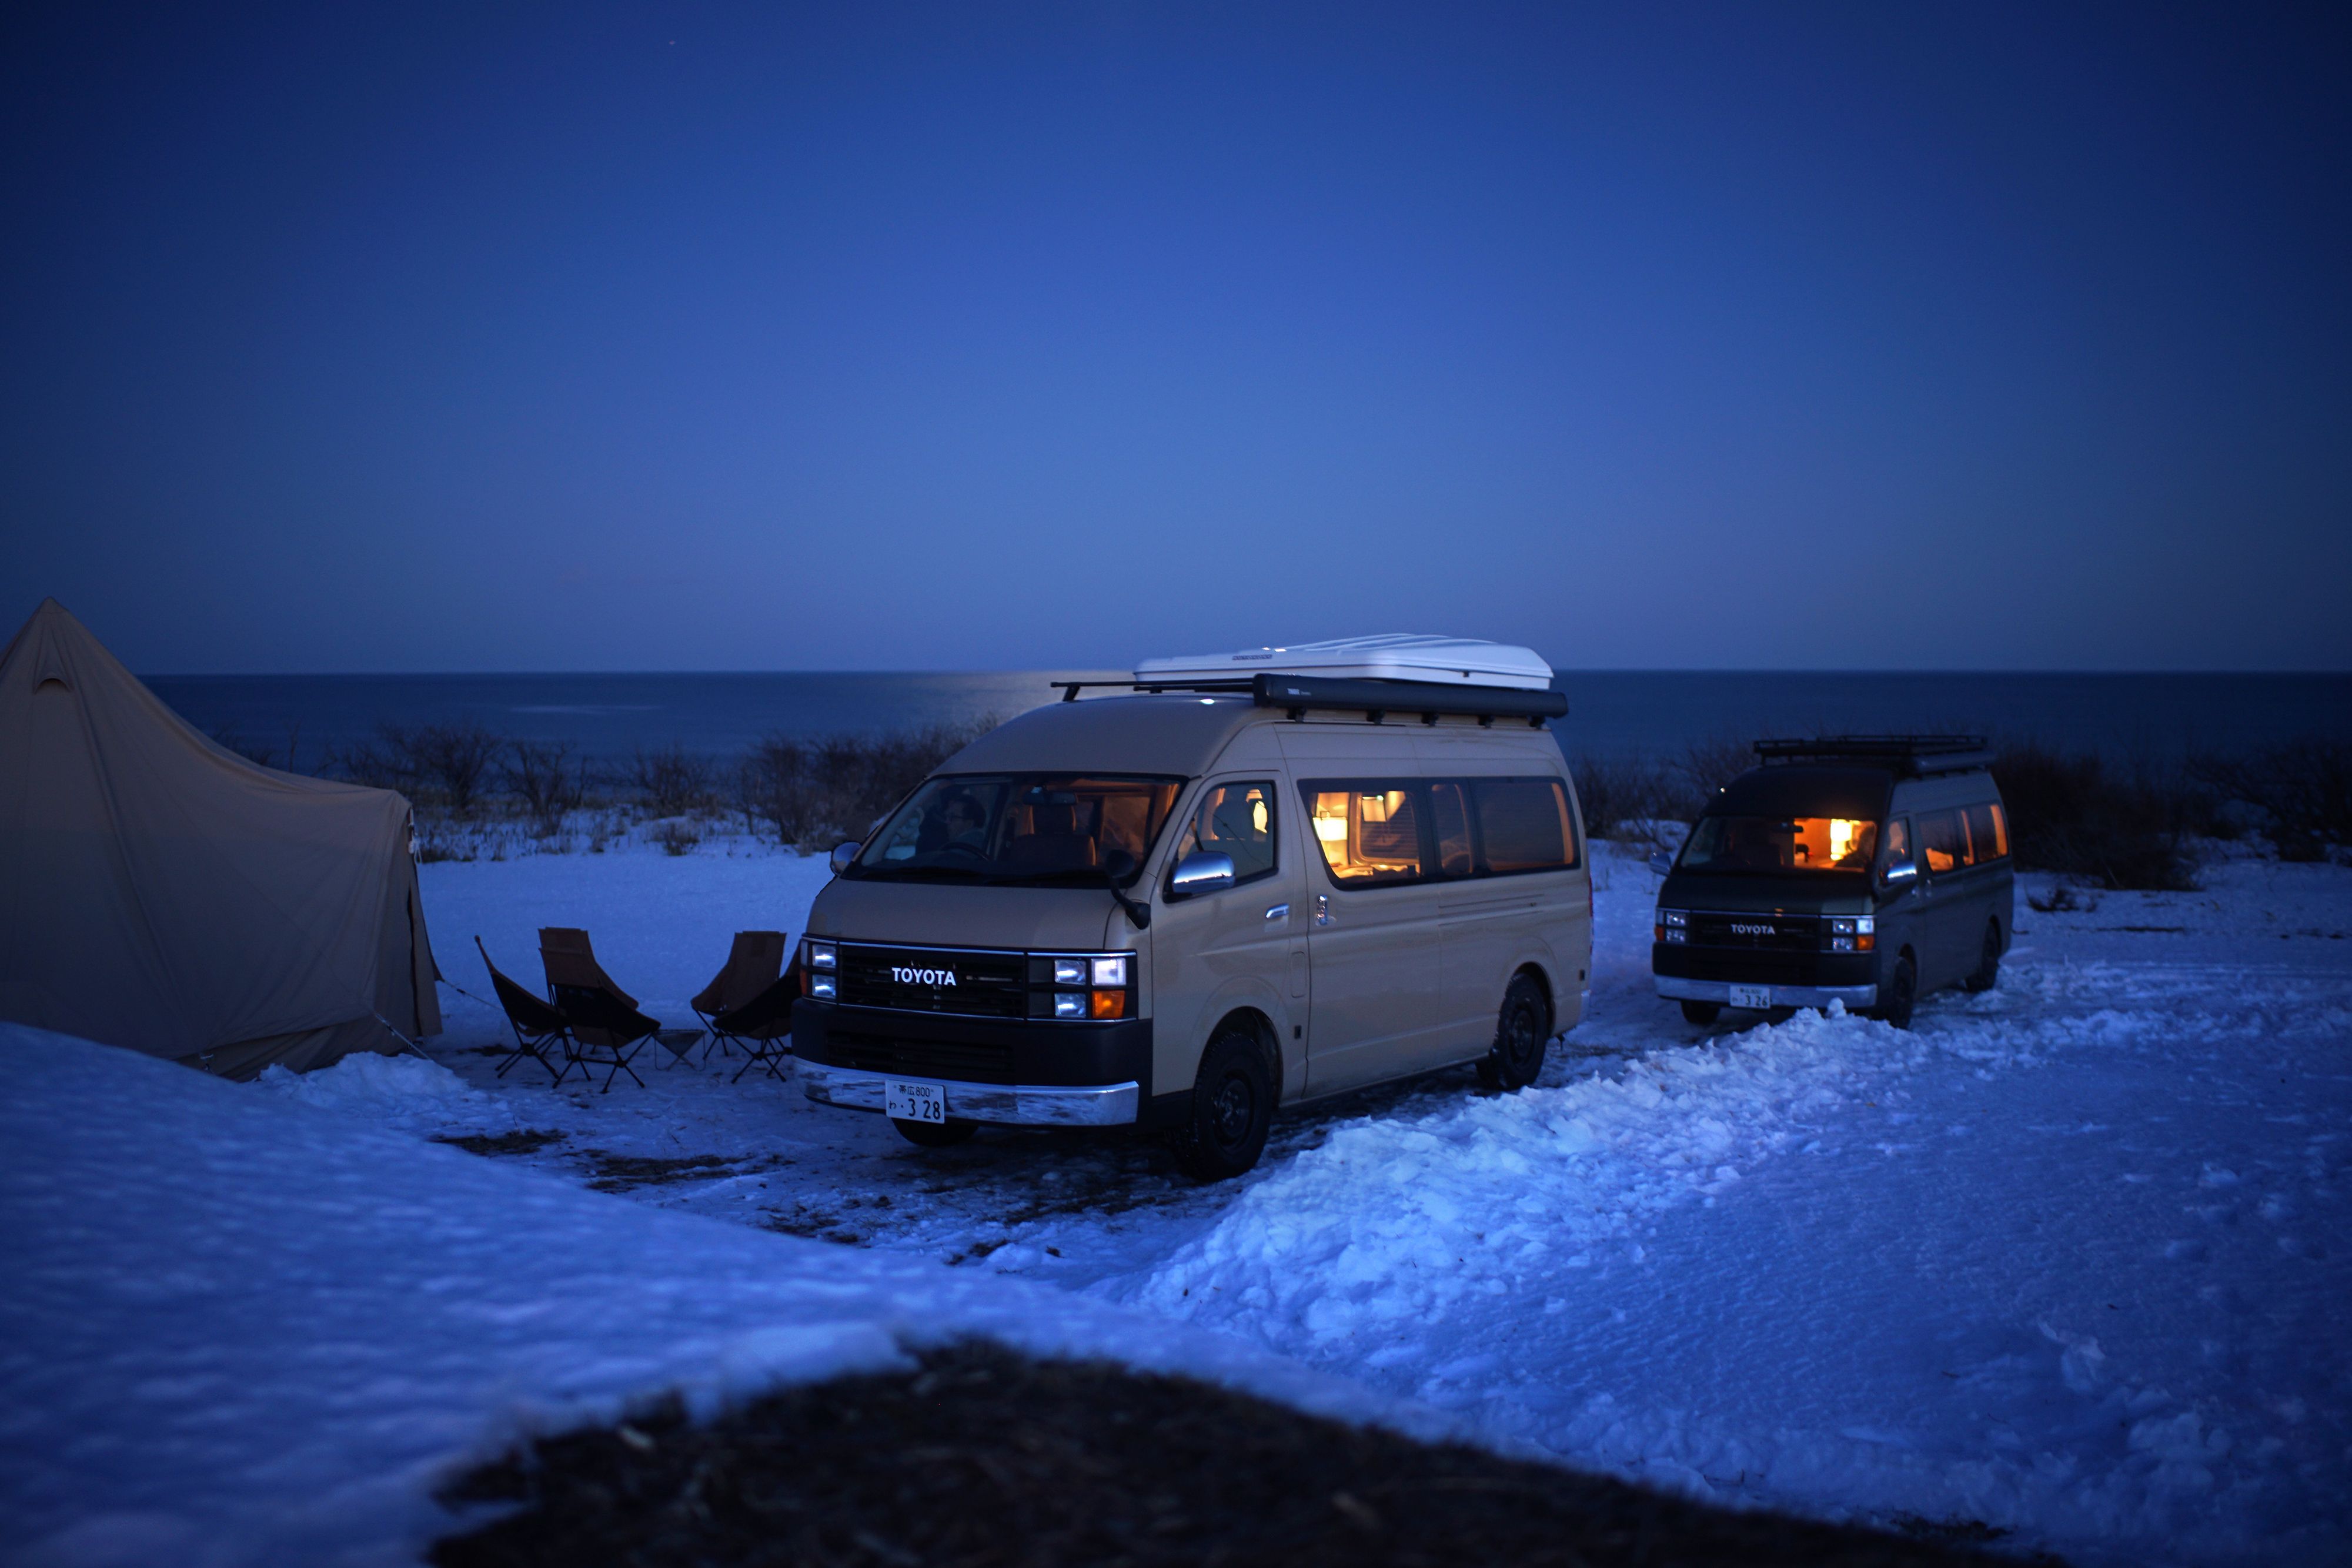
<point>1915,755</point>
<point>1376,700</point>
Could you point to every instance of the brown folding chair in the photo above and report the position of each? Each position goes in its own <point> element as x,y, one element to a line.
<point>764,1026</point>
<point>753,964</point>
<point>605,1027</point>
<point>536,1025</point>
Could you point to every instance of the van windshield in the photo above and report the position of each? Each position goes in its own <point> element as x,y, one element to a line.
<point>1779,843</point>
<point>1020,829</point>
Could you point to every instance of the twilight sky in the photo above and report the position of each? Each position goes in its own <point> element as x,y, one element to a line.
<point>375,337</point>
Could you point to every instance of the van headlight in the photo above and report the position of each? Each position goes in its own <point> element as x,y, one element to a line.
<point>1674,925</point>
<point>1853,933</point>
<point>1082,987</point>
<point>822,967</point>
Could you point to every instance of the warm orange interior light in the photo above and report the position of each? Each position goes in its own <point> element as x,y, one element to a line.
<point>1111,1004</point>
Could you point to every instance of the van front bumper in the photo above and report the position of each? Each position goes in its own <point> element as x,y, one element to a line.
<point>1015,1104</point>
<point>1855,998</point>
<point>1014,1072</point>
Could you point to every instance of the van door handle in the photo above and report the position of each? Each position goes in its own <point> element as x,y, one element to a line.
<point>1279,912</point>
<point>1322,909</point>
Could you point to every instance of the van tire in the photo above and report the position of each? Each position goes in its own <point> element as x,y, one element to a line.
<point>1702,1013</point>
<point>1988,973</point>
<point>1232,1105</point>
<point>1900,994</point>
<point>935,1134</point>
<point>1522,1035</point>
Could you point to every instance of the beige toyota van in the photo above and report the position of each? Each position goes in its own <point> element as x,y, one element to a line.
<point>1225,888</point>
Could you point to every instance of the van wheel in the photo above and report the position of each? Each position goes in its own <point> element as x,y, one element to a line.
<point>1988,973</point>
<point>1900,994</point>
<point>1520,1039</point>
<point>1702,1013</point>
<point>1233,1103</point>
<point>935,1134</point>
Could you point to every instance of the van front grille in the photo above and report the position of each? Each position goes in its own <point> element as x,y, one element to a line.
<point>955,1060</point>
<point>976,984</point>
<point>1780,933</point>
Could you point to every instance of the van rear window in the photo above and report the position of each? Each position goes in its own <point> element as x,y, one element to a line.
<point>1779,843</point>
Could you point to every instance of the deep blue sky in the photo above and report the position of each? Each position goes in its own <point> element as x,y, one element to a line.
<point>373,339</point>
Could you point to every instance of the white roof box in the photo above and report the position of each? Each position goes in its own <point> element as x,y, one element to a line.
<point>1397,656</point>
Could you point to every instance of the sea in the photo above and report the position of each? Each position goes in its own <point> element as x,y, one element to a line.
<point>1617,715</point>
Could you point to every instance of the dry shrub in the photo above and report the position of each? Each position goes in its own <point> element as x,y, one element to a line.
<point>546,781</point>
<point>672,780</point>
<point>1621,795</point>
<point>2071,813</point>
<point>812,791</point>
<point>1702,771</point>
<point>2300,791</point>
<point>445,765</point>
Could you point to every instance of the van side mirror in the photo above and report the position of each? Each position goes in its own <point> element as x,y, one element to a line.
<point>1661,862</point>
<point>1202,871</point>
<point>1898,872</point>
<point>843,854</point>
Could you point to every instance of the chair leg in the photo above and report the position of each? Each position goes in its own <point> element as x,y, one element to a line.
<point>620,1065</point>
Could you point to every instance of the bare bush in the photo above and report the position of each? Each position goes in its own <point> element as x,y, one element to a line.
<point>2071,813</point>
<point>676,837</point>
<point>543,777</point>
<point>446,764</point>
<point>2301,790</point>
<point>1619,795</point>
<point>671,779</point>
<point>1702,770</point>
<point>833,787</point>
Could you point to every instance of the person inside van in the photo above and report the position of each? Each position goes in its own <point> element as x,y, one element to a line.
<point>961,817</point>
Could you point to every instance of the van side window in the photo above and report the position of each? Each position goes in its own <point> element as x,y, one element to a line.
<point>1449,815</point>
<point>1369,829</point>
<point>1235,820</point>
<point>1898,840</point>
<point>1944,841</point>
<point>1988,835</point>
<point>1524,825</point>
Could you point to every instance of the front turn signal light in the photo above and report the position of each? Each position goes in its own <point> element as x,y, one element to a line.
<point>1109,1004</point>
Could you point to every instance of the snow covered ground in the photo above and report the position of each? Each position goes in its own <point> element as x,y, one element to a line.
<point>2070,1259</point>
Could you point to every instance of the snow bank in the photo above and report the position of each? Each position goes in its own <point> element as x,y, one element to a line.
<point>1380,1234</point>
<point>242,1329</point>
<point>404,1091</point>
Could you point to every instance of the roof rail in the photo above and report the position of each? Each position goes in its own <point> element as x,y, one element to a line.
<point>1376,700</point>
<point>1916,755</point>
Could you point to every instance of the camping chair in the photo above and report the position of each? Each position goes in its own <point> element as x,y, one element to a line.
<point>753,964</point>
<point>605,1028</point>
<point>764,1026</point>
<point>536,1025</point>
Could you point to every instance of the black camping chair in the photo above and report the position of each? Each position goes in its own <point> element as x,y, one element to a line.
<point>604,1031</point>
<point>753,964</point>
<point>536,1025</point>
<point>604,1027</point>
<point>764,1026</point>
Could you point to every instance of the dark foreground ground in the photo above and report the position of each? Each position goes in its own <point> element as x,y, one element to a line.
<point>981,1457</point>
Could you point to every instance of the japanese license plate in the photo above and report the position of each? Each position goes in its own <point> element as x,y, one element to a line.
<point>1758,996</point>
<point>907,1101</point>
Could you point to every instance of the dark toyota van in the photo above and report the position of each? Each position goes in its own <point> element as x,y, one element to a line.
<point>1867,870</point>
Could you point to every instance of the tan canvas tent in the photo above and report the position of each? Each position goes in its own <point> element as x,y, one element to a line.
<point>159,891</point>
